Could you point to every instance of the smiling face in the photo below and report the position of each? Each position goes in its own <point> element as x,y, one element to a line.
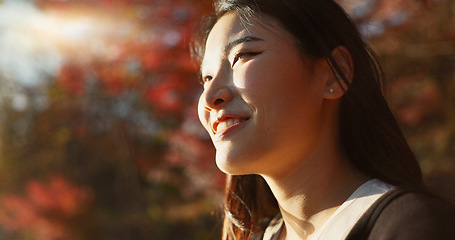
<point>262,104</point>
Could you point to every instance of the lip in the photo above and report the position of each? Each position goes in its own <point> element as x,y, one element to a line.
<point>218,135</point>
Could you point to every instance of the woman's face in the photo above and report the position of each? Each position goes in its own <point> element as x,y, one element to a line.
<point>262,103</point>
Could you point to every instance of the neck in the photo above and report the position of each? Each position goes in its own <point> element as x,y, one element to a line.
<point>310,193</point>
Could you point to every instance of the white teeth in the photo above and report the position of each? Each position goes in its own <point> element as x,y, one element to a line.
<point>228,123</point>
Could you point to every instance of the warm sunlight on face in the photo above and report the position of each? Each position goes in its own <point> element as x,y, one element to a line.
<point>261,104</point>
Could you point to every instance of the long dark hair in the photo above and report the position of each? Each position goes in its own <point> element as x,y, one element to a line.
<point>369,134</point>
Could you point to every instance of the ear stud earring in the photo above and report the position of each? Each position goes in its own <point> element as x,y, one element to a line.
<point>331,90</point>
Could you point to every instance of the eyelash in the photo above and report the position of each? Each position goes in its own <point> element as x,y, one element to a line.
<point>205,79</point>
<point>237,57</point>
<point>240,55</point>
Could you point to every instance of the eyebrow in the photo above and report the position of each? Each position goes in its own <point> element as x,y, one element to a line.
<point>234,43</point>
<point>238,41</point>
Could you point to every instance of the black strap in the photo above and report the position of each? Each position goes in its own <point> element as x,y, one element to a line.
<point>363,227</point>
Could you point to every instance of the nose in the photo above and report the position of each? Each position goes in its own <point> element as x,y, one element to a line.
<point>217,94</point>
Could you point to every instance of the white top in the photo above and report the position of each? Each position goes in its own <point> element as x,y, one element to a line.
<point>345,217</point>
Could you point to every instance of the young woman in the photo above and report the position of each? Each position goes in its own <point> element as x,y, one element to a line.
<point>293,103</point>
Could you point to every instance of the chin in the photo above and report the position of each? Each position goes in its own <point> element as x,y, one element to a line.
<point>231,166</point>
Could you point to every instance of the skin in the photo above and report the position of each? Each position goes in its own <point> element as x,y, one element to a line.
<point>284,119</point>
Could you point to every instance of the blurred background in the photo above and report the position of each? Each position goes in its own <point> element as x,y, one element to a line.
<point>99,136</point>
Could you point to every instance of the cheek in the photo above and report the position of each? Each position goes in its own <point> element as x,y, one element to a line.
<point>271,69</point>
<point>202,113</point>
<point>252,78</point>
<point>267,80</point>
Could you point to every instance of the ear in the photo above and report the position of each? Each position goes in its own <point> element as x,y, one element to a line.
<point>335,86</point>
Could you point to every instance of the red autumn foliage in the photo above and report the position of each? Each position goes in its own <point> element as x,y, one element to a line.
<point>71,78</point>
<point>45,208</point>
<point>167,94</point>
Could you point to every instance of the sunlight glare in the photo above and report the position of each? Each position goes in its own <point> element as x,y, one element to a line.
<point>35,43</point>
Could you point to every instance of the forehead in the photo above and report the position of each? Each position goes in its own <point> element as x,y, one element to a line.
<point>230,27</point>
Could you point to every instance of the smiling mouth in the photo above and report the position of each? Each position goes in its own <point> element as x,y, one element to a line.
<point>226,124</point>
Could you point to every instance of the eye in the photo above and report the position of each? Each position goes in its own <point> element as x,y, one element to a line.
<point>205,79</point>
<point>240,55</point>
